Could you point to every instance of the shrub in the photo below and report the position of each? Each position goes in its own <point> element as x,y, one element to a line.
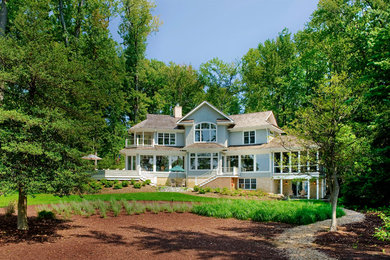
<point>132,182</point>
<point>94,187</point>
<point>137,185</point>
<point>207,189</point>
<point>225,191</point>
<point>118,186</point>
<point>103,182</point>
<point>109,184</point>
<point>147,182</point>
<point>291,212</point>
<point>202,191</point>
<point>196,188</point>
<point>125,184</point>
<point>44,214</point>
<point>116,182</point>
<point>383,232</point>
<point>10,209</point>
<point>217,190</point>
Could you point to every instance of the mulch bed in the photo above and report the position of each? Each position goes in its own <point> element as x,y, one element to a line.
<point>157,236</point>
<point>355,241</point>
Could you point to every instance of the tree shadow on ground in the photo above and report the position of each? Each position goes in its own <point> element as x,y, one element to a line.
<point>267,230</point>
<point>354,241</point>
<point>206,244</point>
<point>39,230</point>
<point>106,238</point>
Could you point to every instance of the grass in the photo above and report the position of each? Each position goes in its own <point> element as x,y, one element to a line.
<point>88,208</point>
<point>40,199</point>
<point>291,212</point>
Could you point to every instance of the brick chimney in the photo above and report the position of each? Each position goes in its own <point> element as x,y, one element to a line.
<point>177,111</point>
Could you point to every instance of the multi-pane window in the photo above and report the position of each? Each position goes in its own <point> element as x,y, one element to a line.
<point>247,163</point>
<point>203,161</point>
<point>162,163</point>
<point>146,163</point>
<point>205,132</point>
<point>294,162</point>
<point>166,139</point>
<point>249,137</point>
<point>247,184</point>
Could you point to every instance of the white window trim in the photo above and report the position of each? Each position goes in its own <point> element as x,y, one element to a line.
<point>254,162</point>
<point>196,162</point>
<point>290,165</point>
<point>243,138</point>
<point>216,132</point>
<point>166,133</point>
<point>250,183</point>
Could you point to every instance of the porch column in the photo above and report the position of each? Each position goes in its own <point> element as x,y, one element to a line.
<point>154,163</point>
<point>126,161</point>
<point>281,186</point>
<point>318,191</point>
<point>308,188</point>
<point>239,164</point>
<point>322,188</point>
<point>138,159</point>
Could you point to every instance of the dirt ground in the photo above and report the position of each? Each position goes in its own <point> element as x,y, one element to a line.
<point>157,236</point>
<point>355,241</point>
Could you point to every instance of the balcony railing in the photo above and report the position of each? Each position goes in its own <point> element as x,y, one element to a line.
<point>139,142</point>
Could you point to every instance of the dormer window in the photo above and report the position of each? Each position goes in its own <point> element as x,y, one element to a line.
<point>205,132</point>
<point>249,137</point>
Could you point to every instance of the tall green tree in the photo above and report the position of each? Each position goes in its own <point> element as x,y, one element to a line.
<point>137,23</point>
<point>59,92</point>
<point>222,84</point>
<point>325,122</point>
<point>271,78</point>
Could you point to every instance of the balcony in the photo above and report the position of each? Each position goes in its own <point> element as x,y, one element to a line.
<point>143,139</point>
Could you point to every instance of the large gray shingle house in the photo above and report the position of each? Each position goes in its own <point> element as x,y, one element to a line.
<point>243,151</point>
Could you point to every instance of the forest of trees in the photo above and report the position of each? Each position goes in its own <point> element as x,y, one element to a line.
<point>68,89</point>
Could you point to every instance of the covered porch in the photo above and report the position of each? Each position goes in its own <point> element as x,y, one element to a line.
<point>304,186</point>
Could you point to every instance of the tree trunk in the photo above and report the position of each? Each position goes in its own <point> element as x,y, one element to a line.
<point>62,20</point>
<point>22,210</point>
<point>3,17</point>
<point>79,18</point>
<point>334,196</point>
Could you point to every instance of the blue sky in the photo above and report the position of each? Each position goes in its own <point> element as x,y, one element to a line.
<point>195,31</point>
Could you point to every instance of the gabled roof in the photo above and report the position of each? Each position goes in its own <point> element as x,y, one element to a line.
<point>154,121</point>
<point>257,119</point>
<point>211,106</point>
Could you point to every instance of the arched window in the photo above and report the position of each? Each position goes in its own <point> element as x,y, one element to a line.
<point>205,132</point>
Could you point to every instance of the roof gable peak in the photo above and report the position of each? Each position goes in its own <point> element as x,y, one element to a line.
<point>201,105</point>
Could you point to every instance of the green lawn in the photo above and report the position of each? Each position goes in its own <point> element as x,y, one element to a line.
<point>149,196</point>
